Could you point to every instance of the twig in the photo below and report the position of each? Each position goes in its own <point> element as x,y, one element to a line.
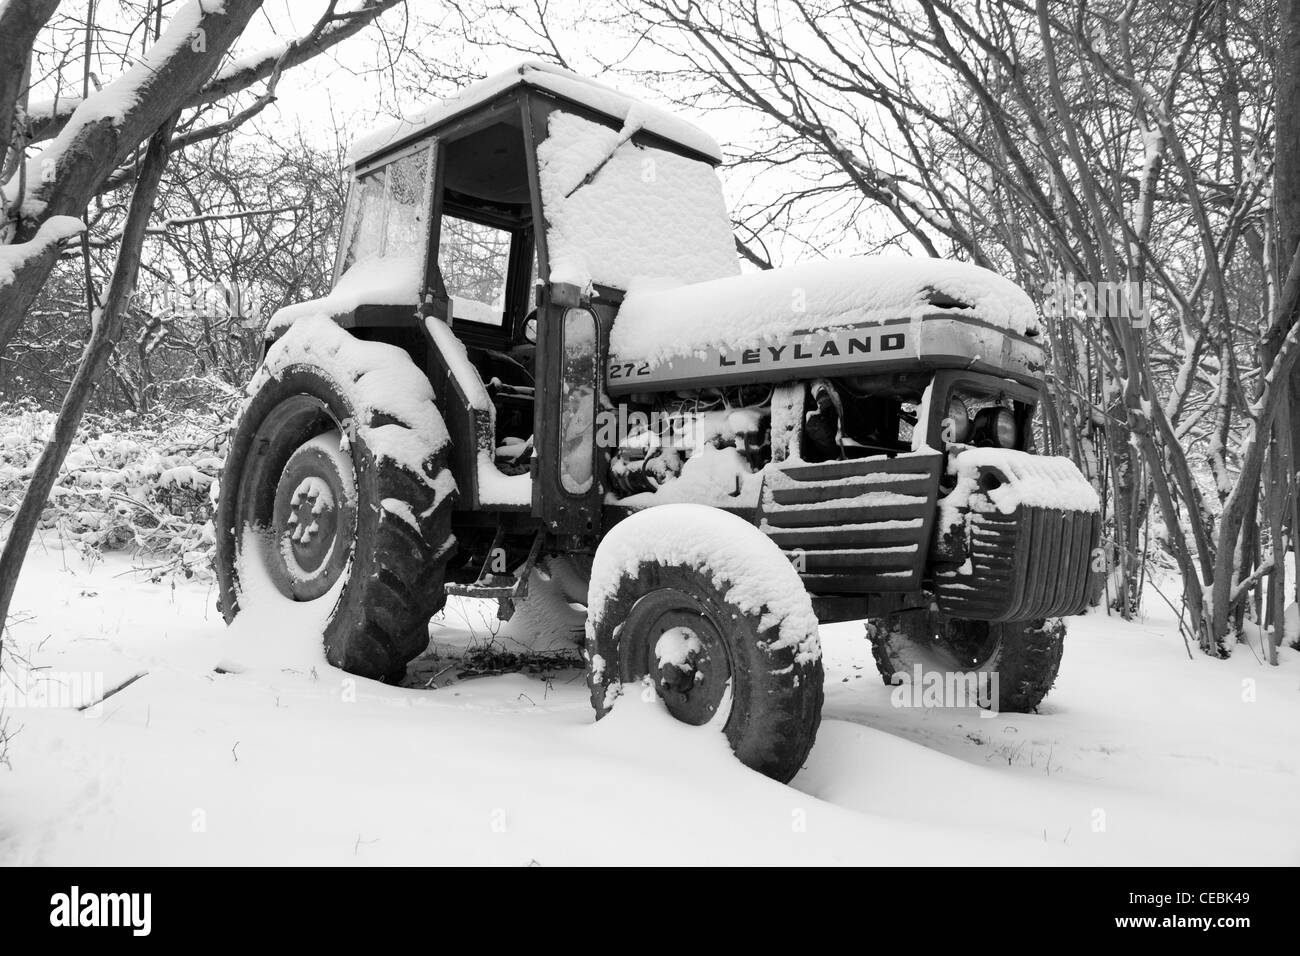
<point>113,690</point>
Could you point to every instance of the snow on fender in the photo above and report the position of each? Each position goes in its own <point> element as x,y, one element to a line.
<point>701,606</point>
<point>392,397</point>
<point>755,572</point>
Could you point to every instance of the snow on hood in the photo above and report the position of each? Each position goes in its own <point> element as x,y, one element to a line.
<point>545,76</point>
<point>658,322</point>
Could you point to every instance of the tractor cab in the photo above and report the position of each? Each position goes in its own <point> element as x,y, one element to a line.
<point>516,215</point>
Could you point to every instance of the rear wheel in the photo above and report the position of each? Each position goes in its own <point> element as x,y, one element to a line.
<point>1020,659</point>
<point>336,490</point>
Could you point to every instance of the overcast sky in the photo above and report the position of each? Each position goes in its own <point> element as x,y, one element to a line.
<point>381,74</point>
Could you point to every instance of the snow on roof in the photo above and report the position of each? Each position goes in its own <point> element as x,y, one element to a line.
<point>657,323</point>
<point>553,79</point>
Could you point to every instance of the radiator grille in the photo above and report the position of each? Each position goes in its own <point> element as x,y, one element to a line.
<point>1033,563</point>
<point>857,526</point>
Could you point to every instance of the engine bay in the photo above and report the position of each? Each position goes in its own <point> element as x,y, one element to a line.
<point>718,438</point>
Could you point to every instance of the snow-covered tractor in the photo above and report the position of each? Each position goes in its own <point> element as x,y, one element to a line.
<point>541,377</point>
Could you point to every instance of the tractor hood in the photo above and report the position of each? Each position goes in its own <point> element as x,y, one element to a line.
<point>847,317</point>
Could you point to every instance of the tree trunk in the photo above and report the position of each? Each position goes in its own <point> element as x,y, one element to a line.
<point>103,339</point>
<point>1286,164</point>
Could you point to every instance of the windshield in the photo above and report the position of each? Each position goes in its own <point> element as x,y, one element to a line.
<point>618,211</point>
<point>387,212</point>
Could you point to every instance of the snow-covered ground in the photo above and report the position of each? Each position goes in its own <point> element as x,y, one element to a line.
<point>221,754</point>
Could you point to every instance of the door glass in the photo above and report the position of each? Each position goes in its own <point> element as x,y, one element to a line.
<point>578,415</point>
<point>364,230</point>
<point>405,233</point>
<point>474,260</point>
<point>386,215</point>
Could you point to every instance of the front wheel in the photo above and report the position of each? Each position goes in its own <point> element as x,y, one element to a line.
<point>336,491</point>
<point>715,619</point>
<point>1014,663</point>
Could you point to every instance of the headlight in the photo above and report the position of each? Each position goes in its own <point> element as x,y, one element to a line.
<point>1004,428</point>
<point>997,426</point>
<point>957,424</point>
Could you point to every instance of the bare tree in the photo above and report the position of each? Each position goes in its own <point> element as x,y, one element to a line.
<point>93,144</point>
<point>1112,145</point>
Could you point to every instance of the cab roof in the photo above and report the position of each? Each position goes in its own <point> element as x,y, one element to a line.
<point>551,79</point>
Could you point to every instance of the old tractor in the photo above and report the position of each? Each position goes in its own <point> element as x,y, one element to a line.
<point>541,372</point>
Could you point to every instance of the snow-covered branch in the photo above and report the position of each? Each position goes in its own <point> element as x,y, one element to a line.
<point>46,119</point>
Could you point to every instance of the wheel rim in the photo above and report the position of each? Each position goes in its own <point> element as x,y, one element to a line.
<point>971,644</point>
<point>681,648</point>
<point>299,493</point>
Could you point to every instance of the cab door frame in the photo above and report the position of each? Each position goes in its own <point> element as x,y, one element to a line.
<point>566,513</point>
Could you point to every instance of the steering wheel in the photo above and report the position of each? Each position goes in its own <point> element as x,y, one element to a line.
<point>522,347</point>
<point>524,332</point>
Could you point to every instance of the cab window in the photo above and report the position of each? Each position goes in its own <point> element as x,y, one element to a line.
<point>387,211</point>
<point>475,263</point>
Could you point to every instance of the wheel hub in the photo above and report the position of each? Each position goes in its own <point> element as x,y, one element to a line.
<point>683,663</point>
<point>685,655</point>
<point>313,520</point>
<point>971,643</point>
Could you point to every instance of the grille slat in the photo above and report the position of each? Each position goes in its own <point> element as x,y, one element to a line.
<point>1032,564</point>
<point>834,518</point>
